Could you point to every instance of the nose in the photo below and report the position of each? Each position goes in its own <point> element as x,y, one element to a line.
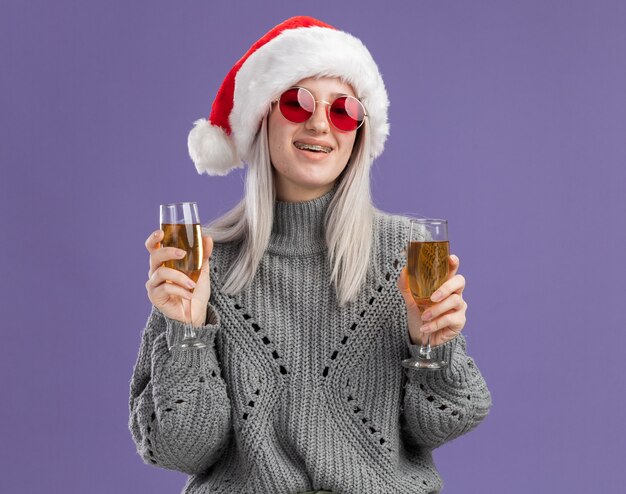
<point>318,122</point>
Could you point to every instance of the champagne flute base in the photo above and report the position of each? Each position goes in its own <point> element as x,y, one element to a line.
<point>190,343</point>
<point>424,364</point>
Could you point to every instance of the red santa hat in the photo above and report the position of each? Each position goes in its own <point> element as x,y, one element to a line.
<point>296,49</point>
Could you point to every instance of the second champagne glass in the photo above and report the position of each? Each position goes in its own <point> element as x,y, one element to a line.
<point>428,250</point>
<point>181,227</point>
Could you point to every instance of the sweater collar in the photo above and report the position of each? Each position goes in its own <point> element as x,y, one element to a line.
<point>299,228</point>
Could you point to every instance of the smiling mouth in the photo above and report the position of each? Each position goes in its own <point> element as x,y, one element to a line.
<point>312,147</point>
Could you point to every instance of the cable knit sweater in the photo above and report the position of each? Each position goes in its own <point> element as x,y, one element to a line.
<point>293,392</point>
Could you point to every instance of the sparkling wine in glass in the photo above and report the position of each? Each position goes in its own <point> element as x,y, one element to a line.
<point>428,250</point>
<point>180,223</point>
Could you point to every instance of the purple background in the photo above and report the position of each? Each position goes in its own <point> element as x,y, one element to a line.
<point>507,117</point>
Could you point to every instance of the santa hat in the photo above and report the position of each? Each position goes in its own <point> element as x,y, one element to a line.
<point>296,49</point>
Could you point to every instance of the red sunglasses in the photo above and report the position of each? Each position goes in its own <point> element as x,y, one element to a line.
<point>346,113</point>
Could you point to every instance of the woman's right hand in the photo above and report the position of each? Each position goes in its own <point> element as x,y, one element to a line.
<point>166,287</point>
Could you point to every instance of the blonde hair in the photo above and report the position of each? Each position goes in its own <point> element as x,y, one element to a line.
<point>349,219</point>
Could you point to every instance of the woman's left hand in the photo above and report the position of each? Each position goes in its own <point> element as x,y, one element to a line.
<point>445,319</point>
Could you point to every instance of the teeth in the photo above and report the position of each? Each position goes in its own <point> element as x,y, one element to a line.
<point>313,147</point>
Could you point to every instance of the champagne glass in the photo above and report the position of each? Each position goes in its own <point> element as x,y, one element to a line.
<point>181,229</point>
<point>427,251</point>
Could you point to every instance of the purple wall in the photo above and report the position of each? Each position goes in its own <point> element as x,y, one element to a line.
<point>507,117</point>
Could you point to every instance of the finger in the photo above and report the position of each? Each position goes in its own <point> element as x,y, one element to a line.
<point>203,288</point>
<point>453,285</point>
<point>168,290</point>
<point>152,242</point>
<point>403,280</point>
<point>205,271</point>
<point>453,302</point>
<point>163,275</point>
<point>454,265</point>
<point>202,291</point>
<point>403,286</point>
<point>443,336</point>
<point>454,320</point>
<point>159,256</point>
<point>436,324</point>
<point>207,244</point>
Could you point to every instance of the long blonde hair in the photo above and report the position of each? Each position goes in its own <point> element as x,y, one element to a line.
<point>349,219</point>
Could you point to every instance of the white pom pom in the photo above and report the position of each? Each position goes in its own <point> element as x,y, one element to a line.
<point>211,149</point>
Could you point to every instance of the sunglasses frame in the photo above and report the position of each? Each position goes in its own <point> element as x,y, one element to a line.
<point>328,105</point>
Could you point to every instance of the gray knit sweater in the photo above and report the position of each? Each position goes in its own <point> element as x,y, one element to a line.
<point>293,392</point>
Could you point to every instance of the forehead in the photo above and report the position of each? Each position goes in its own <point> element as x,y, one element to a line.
<point>326,86</point>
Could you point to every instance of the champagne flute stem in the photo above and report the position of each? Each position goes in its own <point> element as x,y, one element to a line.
<point>189,332</point>
<point>425,349</point>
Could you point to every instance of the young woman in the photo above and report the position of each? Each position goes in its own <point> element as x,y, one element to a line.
<point>304,306</point>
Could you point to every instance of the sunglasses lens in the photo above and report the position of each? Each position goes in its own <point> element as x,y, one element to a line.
<point>347,113</point>
<point>296,105</point>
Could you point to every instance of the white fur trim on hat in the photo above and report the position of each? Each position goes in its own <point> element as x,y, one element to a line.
<point>211,150</point>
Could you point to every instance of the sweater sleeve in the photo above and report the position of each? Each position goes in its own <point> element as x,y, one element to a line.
<point>441,405</point>
<point>179,408</point>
